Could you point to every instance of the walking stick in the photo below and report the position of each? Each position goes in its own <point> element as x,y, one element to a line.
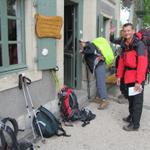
<point>88,82</point>
<point>23,81</point>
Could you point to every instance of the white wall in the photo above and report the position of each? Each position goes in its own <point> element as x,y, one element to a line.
<point>60,44</point>
<point>89,31</point>
<point>89,19</point>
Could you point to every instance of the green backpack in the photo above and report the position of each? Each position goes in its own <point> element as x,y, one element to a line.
<point>103,45</point>
<point>48,123</point>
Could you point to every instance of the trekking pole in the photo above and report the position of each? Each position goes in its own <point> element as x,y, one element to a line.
<point>27,106</point>
<point>88,82</point>
<point>33,109</point>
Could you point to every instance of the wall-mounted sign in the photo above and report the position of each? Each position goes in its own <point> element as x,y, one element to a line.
<point>48,26</point>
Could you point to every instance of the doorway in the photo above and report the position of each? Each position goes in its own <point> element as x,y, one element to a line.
<point>70,43</point>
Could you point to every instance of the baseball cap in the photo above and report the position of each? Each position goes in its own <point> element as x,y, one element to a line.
<point>83,40</point>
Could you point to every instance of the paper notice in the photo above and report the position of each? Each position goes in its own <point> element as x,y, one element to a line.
<point>132,92</point>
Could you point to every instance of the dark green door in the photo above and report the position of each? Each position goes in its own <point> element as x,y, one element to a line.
<point>70,44</point>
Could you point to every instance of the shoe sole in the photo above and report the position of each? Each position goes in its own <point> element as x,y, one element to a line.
<point>125,129</point>
<point>96,101</point>
<point>101,108</point>
<point>126,121</point>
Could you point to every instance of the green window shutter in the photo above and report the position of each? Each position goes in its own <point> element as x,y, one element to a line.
<point>100,25</point>
<point>47,8</point>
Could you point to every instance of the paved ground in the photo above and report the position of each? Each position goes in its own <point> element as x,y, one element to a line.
<point>105,132</point>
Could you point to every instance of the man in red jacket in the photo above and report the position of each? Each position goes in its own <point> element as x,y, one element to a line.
<point>132,67</point>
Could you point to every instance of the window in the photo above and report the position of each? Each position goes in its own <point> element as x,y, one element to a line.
<point>12,45</point>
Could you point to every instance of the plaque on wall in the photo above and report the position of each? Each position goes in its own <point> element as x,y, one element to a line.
<point>48,26</point>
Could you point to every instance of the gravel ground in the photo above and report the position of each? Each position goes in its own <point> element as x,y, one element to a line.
<point>105,131</point>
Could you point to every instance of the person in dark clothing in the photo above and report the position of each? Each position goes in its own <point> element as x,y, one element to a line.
<point>132,67</point>
<point>116,40</point>
<point>96,64</point>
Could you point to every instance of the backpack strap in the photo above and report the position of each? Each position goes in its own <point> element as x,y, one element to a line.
<point>85,123</point>
<point>3,141</point>
<point>63,132</point>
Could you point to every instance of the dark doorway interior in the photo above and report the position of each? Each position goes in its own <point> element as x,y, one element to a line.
<point>70,42</point>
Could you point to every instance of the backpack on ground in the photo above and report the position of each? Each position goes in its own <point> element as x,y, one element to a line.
<point>86,116</point>
<point>49,124</point>
<point>8,136</point>
<point>144,35</point>
<point>12,123</point>
<point>69,108</point>
<point>105,48</point>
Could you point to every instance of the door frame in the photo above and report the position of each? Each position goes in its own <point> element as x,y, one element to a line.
<point>79,28</point>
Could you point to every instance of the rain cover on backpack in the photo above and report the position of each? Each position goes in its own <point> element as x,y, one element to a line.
<point>103,45</point>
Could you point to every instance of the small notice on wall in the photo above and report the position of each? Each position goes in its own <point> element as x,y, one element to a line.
<point>48,26</point>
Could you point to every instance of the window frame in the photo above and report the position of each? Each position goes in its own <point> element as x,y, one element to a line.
<point>6,67</point>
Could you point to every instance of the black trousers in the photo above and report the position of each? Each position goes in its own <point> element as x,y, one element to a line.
<point>135,107</point>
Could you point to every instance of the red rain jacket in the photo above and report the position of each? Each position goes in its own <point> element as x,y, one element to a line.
<point>133,62</point>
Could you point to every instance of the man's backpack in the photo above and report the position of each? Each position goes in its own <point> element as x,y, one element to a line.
<point>48,123</point>
<point>69,108</point>
<point>144,35</point>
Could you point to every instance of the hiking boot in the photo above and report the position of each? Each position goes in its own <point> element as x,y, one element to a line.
<point>96,100</point>
<point>130,127</point>
<point>103,104</point>
<point>127,119</point>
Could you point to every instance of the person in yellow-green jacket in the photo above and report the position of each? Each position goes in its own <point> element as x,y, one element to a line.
<point>96,63</point>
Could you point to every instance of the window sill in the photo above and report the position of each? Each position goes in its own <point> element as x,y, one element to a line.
<point>9,81</point>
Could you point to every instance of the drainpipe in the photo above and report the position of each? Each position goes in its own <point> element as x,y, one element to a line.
<point>131,10</point>
<point>140,14</point>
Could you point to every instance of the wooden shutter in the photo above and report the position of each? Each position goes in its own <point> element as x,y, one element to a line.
<point>47,8</point>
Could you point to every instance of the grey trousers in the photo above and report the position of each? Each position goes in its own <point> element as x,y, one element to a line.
<point>100,75</point>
